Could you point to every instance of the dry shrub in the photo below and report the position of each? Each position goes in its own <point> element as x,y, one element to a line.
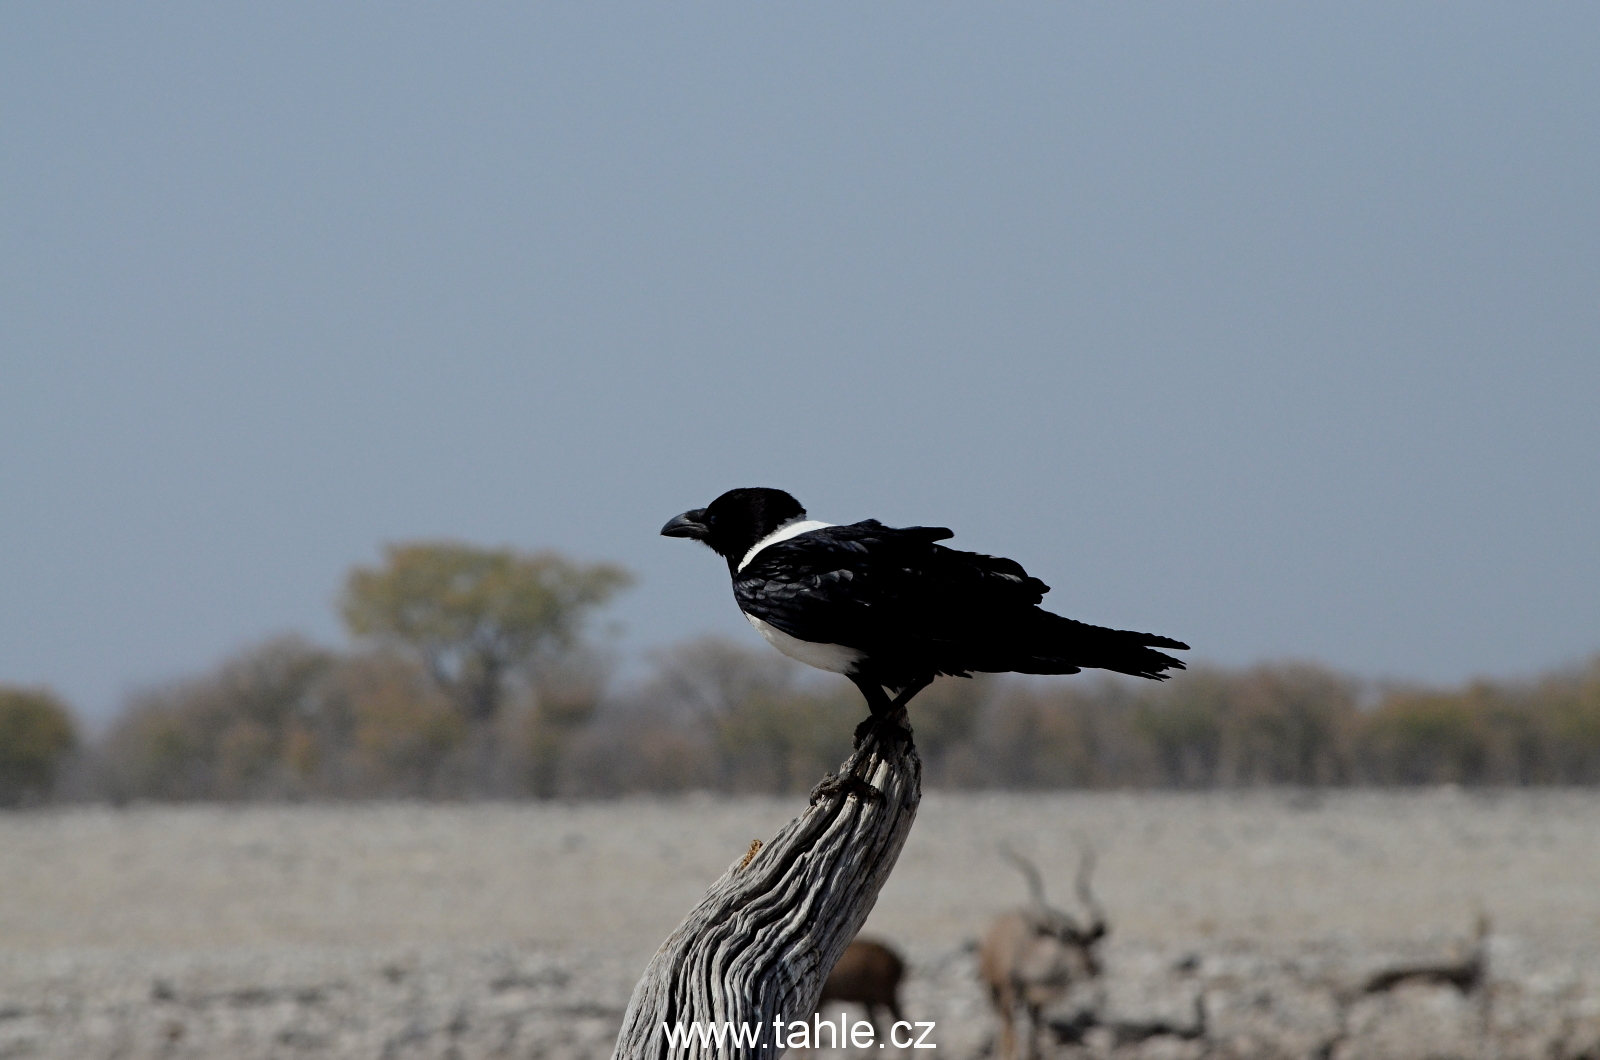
<point>226,735</point>
<point>36,735</point>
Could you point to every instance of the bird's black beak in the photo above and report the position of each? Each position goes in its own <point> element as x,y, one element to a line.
<point>689,524</point>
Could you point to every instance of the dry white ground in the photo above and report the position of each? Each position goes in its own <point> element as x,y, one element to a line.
<point>517,930</point>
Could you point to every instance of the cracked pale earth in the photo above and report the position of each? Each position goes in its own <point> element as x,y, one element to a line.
<point>1242,924</point>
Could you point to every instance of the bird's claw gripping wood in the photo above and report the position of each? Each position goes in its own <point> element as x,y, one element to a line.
<point>888,726</point>
<point>887,714</point>
<point>882,734</point>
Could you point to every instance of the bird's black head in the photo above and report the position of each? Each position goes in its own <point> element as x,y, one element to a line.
<point>736,520</point>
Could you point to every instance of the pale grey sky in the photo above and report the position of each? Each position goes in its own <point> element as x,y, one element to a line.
<point>1274,328</point>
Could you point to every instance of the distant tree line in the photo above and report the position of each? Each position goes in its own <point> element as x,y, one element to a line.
<point>474,678</point>
<point>724,717</point>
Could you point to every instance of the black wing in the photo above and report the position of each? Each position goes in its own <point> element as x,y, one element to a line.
<point>915,607</point>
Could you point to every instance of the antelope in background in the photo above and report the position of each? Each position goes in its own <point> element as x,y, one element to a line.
<point>868,974</point>
<point>1033,955</point>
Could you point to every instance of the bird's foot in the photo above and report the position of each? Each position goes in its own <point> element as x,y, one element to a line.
<point>847,785</point>
<point>887,725</point>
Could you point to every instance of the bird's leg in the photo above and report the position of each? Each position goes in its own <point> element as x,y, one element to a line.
<point>905,695</point>
<point>894,710</point>
<point>877,698</point>
<point>883,710</point>
<point>877,702</point>
<point>882,707</point>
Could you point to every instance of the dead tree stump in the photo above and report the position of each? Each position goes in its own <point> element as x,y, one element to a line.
<point>760,943</point>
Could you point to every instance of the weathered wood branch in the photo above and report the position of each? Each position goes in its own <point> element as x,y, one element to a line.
<point>762,941</point>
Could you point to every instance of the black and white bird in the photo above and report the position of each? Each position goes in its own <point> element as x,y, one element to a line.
<point>891,609</point>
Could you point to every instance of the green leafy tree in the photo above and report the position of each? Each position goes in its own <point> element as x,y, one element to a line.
<point>476,617</point>
<point>36,733</point>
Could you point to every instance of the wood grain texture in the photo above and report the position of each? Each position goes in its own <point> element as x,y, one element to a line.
<point>765,936</point>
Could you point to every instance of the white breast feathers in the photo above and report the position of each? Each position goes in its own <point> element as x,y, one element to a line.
<point>792,528</point>
<point>835,658</point>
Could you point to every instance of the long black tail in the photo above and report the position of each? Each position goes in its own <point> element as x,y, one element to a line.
<point>1064,646</point>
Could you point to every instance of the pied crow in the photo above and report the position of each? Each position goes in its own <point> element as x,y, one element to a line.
<point>891,609</point>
